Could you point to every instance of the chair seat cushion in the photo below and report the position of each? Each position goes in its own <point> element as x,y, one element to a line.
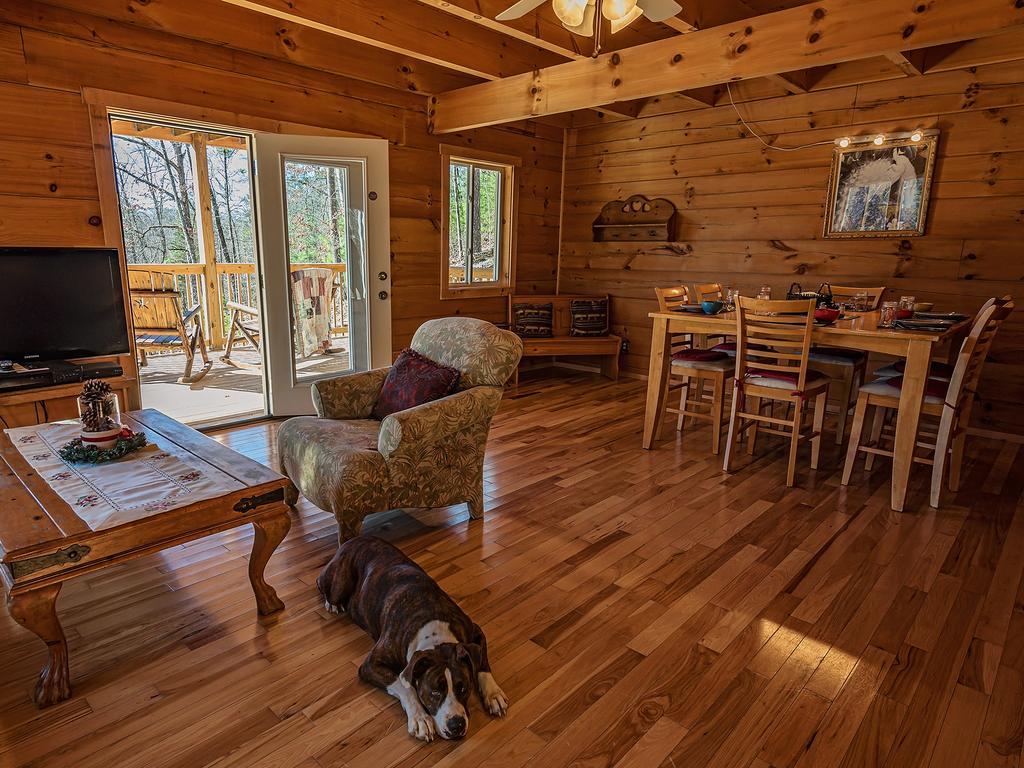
<point>699,355</point>
<point>937,370</point>
<point>781,379</point>
<point>837,355</point>
<point>729,347</point>
<point>934,390</point>
<point>725,363</point>
<point>151,338</point>
<point>413,380</point>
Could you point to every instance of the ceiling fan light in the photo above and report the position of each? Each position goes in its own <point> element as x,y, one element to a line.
<point>625,21</point>
<point>570,12</point>
<point>586,27</point>
<point>614,10</point>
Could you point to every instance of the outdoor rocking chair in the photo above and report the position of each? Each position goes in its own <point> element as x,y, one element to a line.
<point>160,322</point>
<point>244,328</point>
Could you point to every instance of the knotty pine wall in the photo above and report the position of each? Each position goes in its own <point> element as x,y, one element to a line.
<point>750,216</point>
<point>48,190</point>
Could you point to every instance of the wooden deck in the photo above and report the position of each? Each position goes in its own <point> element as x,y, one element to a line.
<point>225,394</point>
<point>642,610</point>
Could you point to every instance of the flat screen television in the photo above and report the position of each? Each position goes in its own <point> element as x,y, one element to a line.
<point>61,303</point>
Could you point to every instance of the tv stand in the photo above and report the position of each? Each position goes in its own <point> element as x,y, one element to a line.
<point>49,389</point>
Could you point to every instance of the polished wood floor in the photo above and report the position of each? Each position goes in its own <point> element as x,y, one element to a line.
<point>642,608</point>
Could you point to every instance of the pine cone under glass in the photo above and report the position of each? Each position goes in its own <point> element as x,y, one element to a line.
<point>98,408</point>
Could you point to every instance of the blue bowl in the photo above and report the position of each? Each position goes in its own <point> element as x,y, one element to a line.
<point>712,307</point>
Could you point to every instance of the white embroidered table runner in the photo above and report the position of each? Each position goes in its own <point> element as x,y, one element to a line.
<point>157,478</point>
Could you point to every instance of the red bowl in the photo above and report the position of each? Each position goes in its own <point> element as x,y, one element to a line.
<point>826,315</point>
<point>904,314</point>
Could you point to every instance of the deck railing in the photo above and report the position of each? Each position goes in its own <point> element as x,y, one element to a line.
<point>238,283</point>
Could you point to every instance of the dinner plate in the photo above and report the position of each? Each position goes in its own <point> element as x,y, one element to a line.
<point>924,325</point>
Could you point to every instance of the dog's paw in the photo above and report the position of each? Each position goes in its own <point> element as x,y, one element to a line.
<point>422,726</point>
<point>495,700</point>
<point>335,609</point>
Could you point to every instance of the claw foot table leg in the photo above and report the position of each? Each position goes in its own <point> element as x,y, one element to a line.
<point>36,610</point>
<point>269,532</point>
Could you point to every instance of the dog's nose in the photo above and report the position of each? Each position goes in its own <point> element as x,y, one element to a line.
<point>456,726</point>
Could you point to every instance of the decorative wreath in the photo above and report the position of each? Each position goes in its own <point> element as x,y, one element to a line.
<point>76,452</point>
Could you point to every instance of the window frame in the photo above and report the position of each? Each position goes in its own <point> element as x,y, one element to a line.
<point>509,192</point>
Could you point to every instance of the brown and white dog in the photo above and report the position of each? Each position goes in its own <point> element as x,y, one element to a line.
<point>428,653</point>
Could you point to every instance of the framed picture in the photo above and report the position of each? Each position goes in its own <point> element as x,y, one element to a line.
<point>880,190</point>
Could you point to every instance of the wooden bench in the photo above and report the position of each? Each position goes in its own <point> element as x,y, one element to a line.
<point>560,343</point>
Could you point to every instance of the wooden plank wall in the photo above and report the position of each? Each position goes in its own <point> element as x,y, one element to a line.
<point>750,216</point>
<point>48,192</point>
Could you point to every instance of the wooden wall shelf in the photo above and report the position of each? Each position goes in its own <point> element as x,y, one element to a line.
<point>636,219</point>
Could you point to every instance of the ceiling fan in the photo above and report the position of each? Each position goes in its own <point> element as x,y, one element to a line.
<point>583,17</point>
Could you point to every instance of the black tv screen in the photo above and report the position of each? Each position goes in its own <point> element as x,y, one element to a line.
<point>61,303</point>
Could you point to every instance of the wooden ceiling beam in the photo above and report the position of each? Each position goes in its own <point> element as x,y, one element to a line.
<point>410,28</point>
<point>910,62</point>
<point>827,32</point>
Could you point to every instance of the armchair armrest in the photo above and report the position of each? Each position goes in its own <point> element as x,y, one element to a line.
<point>434,422</point>
<point>192,314</point>
<point>351,396</point>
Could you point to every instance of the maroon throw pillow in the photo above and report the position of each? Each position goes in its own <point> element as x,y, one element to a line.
<point>699,355</point>
<point>414,380</point>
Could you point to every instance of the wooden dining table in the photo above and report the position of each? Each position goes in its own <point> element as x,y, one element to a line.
<point>857,331</point>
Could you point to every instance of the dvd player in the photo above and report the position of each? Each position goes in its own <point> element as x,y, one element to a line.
<point>53,373</point>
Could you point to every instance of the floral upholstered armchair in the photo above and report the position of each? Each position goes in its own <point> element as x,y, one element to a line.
<point>431,455</point>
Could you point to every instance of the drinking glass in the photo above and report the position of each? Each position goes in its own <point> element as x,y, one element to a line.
<point>907,303</point>
<point>765,293</point>
<point>862,303</point>
<point>887,315</point>
<point>731,298</point>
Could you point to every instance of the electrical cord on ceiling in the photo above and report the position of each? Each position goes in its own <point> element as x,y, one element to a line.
<point>754,133</point>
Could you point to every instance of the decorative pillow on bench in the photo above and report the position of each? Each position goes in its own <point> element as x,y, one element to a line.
<point>414,380</point>
<point>532,321</point>
<point>589,317</point>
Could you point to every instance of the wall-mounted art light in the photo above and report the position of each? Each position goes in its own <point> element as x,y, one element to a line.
<point>878,139</point>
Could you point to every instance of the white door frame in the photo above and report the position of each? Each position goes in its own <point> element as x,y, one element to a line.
<point>286,396</point>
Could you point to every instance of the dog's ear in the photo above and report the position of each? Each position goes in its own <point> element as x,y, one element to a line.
<point>418,664</point>
<point>471,654</point>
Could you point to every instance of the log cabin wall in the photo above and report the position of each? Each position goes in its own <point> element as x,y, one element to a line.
<point>48,188</point>
<point>750,216</point>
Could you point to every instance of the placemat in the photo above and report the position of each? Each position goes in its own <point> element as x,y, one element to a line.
<point>160,477</point>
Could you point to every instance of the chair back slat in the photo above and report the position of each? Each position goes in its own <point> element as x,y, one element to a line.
<point>670,298</point>
<point>782,328</point>
<point>156,304</point>
<point>969,363</point>
<point>709,292</point>
<point>845,292</point>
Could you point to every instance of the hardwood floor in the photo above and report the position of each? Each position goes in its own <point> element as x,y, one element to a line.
<point>642,609</point>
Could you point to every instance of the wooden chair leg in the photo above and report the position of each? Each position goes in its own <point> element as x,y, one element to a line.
<point>846,388</point>
<point>794,446</point>
<point>755,407</point>
<point>730,440</point>
<point>820,406</point>
<point>143,362</point>
<point>717,407</point>
<point>876,435</point>
<point>855,432</point>
<point>956,461</point>
<point>684,395</point>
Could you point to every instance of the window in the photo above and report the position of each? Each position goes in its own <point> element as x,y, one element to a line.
<point>478,224</point>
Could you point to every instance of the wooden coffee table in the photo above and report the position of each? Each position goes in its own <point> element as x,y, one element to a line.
<point>43,543</point>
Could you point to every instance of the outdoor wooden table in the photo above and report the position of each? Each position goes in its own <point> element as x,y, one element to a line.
<point>860,331</point>
<point>43,542</point>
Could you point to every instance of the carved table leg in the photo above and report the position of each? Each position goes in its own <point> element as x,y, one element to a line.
<point>269,532</point>
<point>36,610</point>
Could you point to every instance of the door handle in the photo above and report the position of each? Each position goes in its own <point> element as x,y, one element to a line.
<point>382,295</point>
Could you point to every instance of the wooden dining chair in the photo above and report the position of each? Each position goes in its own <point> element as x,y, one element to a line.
<point>709,292</point>
<point>161,324</point>
<point>773,339</point>
<point>949,403</point>
<point>845,368</point>
<point>694,369</point>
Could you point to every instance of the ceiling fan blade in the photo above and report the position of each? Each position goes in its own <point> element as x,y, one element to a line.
<point>521,8</point>
<point>659,10</point>
<point>586,28</point>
